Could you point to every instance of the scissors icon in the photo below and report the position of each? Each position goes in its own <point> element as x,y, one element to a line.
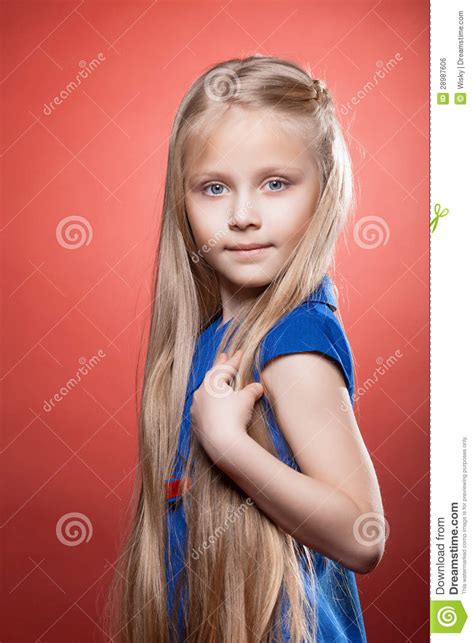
<point>438,214</point>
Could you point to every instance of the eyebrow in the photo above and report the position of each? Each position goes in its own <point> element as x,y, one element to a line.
<point>273,169</point>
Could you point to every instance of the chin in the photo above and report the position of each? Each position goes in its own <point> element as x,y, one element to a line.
<point>257,280</point>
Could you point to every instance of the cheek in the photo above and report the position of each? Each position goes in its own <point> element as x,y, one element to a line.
<point>206,236</point>
<point>291,228</point>
<point>200,232</point>
<point>292,216</point>
<point>205,213</point>
<point>200,224</point>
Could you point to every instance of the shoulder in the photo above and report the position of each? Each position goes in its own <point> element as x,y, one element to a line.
<point>311,327</point>
<point>307,327</point>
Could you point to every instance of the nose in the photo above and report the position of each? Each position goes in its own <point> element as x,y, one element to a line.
<point>244,216</point>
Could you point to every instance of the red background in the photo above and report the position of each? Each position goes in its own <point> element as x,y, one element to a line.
<point>101,155</point>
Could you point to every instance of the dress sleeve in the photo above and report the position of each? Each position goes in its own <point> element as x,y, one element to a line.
<point>315,328</point>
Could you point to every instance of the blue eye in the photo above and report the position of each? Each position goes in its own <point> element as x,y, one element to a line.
<point>217,189</point>
<point>213,185</point>
<point>277,181</point>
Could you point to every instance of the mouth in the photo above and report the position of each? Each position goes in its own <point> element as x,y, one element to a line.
<point>250,250</point>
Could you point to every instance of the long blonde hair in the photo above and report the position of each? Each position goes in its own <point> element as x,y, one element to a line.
<point>235,592</point>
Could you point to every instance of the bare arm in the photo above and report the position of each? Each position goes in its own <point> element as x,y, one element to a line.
<point>336,497</point>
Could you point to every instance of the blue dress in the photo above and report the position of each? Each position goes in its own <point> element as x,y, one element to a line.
<point>312,326</point>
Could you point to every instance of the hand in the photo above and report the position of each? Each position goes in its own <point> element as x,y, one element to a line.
<point>220,415</point>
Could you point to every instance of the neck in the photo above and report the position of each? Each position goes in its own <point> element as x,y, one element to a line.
<point>235,298</point>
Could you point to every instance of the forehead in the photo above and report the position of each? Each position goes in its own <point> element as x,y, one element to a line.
<point>248,137</point>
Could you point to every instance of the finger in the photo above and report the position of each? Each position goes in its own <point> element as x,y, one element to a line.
<point>234,361</point>
<point>253,392</point>
<point>236,357</point>
<point>231,365</point>
<point>226,368</point>
<point>255,388</point>
<point>221,358</point>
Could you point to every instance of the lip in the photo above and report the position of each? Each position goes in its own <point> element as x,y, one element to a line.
<point>249,250</point>
<point>249,246</point>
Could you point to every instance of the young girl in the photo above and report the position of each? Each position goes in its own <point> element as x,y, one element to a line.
<point>257,501</point>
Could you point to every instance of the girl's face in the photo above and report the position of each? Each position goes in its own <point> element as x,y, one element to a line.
<point>252,183</point>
